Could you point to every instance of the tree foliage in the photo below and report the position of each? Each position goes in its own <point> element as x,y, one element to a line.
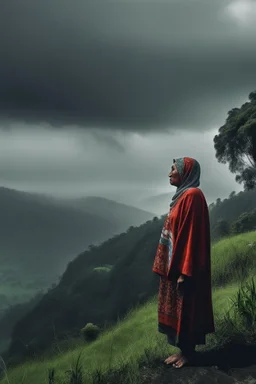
<point>90,332</point>
<point>236,142</point>
<point>246,222</point>
<point>221,229</point>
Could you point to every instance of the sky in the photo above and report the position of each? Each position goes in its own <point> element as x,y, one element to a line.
<point>97,98</point>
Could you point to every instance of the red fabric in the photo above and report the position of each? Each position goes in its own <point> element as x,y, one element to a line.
<point>188,165</point>
<point>188,221</point>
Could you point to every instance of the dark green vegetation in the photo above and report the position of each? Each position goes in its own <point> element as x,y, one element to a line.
<point>233,215</point>
<point>12,315</point>
<point>40,235</point>
<point>236,142</point>
<point>103,283</point>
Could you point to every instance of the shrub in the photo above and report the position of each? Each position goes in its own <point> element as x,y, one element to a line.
<point>90,332</point>
<point>239,324</point>
<point>245,305</point>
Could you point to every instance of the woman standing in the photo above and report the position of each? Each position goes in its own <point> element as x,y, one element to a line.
<point>183,262</point>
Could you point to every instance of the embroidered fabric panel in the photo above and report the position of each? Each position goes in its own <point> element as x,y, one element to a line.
<point>166,239</point>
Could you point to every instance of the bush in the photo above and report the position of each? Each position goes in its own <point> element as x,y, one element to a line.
<point>239,324</point>
<point>90,332</point>
<point>245,305</point>
<point>245,223</point>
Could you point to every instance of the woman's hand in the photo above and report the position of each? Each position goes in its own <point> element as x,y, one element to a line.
<point>180,280</point>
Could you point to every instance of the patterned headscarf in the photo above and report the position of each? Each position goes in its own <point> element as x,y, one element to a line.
<point>189,171</point>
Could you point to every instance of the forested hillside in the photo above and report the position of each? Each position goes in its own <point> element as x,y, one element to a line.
<point>233,215</point>
<point>102,283</point>
<point>99,286</point>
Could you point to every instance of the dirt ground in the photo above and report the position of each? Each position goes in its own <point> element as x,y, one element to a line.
<point>227,365</point>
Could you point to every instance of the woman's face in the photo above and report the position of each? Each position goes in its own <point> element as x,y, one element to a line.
<point>174,176</point>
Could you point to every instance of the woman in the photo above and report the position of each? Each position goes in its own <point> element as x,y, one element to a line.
<point>182,260</point>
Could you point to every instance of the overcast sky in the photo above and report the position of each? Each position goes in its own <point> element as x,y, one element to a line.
<point>98,97</point>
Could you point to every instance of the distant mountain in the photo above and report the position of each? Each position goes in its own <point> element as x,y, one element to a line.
<point>39,235</point>
<point>113,211</point>
<point>158,203</point>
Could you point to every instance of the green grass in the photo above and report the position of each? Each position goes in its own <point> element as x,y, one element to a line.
<point>135,339</point>
<point>232,258</point>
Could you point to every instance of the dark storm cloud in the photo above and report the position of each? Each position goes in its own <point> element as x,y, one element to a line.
<point>133,65</point>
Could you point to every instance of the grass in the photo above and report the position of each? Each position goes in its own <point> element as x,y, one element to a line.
<point>232,259</point>
<point>119,354</point>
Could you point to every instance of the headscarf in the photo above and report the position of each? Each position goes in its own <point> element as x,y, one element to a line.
<point>189,171</point>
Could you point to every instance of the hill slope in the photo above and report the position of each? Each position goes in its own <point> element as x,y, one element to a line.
<point>231,208</point>
<point>102,284</point>
<point>122,352</point>
<point>40,235</point>
<point>114,212</point>
<point>159,203</point>
<point>87,294</point>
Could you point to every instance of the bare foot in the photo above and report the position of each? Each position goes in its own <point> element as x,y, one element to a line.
<point>173,358</point>
<point>181,362</point>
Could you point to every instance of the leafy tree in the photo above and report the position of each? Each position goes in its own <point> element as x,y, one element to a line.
<point>90,332</point>
<point>232,194</point>
<point>211,206</point>
<point>218,201</point>
<point>236,142</point>
<point>221,229</point>
<point>245,223</point>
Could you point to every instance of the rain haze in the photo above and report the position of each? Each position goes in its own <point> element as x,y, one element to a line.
<point>97,98</point>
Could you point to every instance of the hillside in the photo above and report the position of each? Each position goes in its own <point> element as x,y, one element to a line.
<point>40,235</point>
<point>88,294</point>
<point>115,212</point>
<point>132,350</point>
<point>159,203</point>
<point>104,282</point>
<point>231,208</point>
<point>85,293</point>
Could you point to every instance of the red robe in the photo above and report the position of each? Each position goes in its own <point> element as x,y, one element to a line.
<point>188,312</point>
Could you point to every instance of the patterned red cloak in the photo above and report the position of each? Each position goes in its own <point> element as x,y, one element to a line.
<point>184,248</point>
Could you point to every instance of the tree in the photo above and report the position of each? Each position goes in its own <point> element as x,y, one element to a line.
<point>218,201</point>
<point>245,223</point>
<point>232,194</point>
<point>236,142</point>
<point>220,229</point>
<point>211,206</point>
<point>90,332</point>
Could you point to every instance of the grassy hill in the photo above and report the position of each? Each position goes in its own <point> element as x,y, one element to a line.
<point>41,234</point>
<point>125,353</point>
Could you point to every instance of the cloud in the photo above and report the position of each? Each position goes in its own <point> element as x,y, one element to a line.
<point>123,65</point>
<point>243,12</point>
<point>76,163</point>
